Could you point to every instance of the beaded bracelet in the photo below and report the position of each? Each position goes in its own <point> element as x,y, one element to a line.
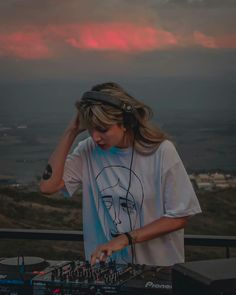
<point>130,239</point>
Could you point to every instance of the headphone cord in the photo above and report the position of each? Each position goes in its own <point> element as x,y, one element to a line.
<point>126,197</point>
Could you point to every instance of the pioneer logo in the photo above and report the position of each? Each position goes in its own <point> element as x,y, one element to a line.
<point>158,285</point>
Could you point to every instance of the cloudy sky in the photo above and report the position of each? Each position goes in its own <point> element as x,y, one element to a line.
<point>59,39</point>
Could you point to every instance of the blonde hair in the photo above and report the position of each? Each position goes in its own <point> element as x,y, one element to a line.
<point>147,137</point>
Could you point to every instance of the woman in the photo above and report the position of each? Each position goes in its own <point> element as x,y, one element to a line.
<point>137,196</point>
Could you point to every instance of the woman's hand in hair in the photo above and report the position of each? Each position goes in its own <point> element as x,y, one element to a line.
<point>76,125</point>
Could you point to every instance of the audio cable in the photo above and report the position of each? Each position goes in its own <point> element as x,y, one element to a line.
<point>132,246</point>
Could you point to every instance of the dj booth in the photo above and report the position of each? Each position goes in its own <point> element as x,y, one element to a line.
<point>36,276</point>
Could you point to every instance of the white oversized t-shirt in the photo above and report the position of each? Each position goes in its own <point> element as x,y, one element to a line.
<point>159,186</point>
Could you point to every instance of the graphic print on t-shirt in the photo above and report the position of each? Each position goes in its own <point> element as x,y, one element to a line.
<point>122,205</point>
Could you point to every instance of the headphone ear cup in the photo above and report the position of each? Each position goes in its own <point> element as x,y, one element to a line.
<point>130,121</point>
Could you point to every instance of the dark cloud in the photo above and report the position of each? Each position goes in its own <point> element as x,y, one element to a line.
<point>22,12</point>
<point>196,3</point>
<point>212,3</point>
<point>167,13</point>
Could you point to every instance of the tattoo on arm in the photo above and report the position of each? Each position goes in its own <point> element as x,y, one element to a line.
<point>47,172</point>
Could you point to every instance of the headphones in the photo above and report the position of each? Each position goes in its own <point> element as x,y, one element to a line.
<point>129,118</point>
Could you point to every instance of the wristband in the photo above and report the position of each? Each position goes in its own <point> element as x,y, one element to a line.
<point>130,239</point>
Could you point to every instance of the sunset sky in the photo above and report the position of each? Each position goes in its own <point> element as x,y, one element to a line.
<point>59,39</point>
<point>177,56</point>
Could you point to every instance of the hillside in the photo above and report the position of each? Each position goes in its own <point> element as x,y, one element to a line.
<point>27,209</point>
<point>218,214</point>
<point>218,218</point>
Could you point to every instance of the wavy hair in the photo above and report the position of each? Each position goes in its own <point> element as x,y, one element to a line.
<point>147,137</point>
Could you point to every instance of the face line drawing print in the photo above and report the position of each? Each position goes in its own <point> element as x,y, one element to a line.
<point>127,204</point>
<point>123,211</point>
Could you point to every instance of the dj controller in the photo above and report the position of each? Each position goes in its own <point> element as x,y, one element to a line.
<point>36,276</point>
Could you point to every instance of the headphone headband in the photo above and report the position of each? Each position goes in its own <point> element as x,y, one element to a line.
<point>127,109</point>
<point>98,96</point>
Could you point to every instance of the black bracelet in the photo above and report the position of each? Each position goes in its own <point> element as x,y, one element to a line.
<point>130,239</point>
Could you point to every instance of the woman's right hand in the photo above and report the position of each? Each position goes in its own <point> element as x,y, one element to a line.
<point>76,125</point>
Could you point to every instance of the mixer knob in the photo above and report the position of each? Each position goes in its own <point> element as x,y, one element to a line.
<point>115,277</point>
<point>76,272</point>
<point>52,277</point>
<point>89,274</point>
<point>85,271</point>
<point>106,279</point>
<point>112,279</point>
<point>79,273</point>
<point>72,265</point>
<point>60,271</point>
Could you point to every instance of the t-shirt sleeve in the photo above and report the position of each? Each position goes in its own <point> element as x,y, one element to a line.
<point>72,175</point>
<point>179,198</point>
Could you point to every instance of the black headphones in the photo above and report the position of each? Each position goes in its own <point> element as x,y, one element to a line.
<point>129,117</point>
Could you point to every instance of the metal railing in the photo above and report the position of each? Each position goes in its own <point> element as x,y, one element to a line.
<point>65,235</point>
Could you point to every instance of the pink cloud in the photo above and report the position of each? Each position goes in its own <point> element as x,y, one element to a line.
<point>204,40</point>
<point>33,43</point>
<point>24,45</point>
<point>115,36</point>
<point>216,42</point>
<point>226,41</point>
